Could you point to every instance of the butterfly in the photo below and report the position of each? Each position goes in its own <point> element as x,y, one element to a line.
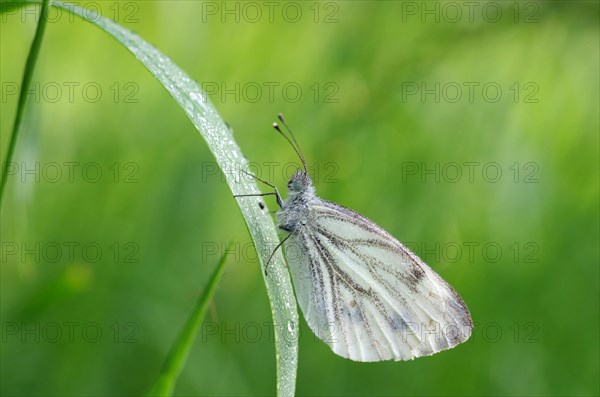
<point>361,291</point>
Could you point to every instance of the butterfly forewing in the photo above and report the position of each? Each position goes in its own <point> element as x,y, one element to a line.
<point>365,294</point>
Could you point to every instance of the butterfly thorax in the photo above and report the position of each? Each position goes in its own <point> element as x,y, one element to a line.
<point>294,212</point>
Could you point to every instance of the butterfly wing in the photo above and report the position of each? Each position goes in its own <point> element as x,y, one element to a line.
<point>365,294</point>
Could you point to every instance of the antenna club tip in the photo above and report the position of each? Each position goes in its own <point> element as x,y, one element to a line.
<point>275,125</point>
<point>280,116</point>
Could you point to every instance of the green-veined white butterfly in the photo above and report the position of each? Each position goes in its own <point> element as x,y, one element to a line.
<point>361,291</point>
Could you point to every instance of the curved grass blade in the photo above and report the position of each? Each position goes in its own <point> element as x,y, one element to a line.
<point>165,383</point>
<point>229,157</point>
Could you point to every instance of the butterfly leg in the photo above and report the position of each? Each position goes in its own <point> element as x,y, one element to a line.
<point>274,193</point>
<point>275,250</point>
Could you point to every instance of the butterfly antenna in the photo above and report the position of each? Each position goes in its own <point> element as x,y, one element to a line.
<point>294,144</point>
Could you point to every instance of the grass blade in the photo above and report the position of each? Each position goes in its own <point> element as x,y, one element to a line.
<point>25,83</point>
<point>229,157</point>
<point>165,383</point>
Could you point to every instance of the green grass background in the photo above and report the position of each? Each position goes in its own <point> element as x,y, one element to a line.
<point>537,322</point>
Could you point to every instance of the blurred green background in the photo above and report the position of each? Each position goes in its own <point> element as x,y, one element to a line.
<point>467,130</point>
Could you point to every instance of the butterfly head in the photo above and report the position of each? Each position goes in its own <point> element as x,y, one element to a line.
<point>299,182</point>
